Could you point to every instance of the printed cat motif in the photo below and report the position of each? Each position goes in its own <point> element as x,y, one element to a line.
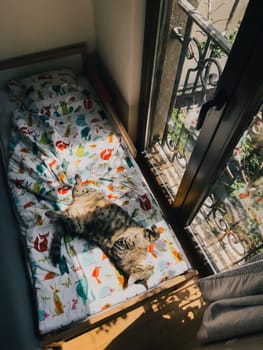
<point>96,219</point>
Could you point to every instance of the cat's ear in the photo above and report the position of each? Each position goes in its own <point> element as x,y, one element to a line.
<point>152,234</point>
<point>54,214</point>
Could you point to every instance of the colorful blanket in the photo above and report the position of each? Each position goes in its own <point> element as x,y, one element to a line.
<point>61,129</point>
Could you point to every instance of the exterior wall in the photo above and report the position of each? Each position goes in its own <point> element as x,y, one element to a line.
<point>29,25</point>
<point>119,27</point>
<point>218,11</point>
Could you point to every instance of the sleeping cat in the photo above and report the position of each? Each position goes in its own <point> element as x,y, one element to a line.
<point>96,219</point>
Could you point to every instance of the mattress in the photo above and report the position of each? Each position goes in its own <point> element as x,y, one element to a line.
<point>58,130</point>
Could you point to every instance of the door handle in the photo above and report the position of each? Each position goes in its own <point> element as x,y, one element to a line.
<point>218,102</point>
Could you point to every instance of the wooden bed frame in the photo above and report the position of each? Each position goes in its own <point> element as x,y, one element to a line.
<point>85,65</point>
<point>37,61</point>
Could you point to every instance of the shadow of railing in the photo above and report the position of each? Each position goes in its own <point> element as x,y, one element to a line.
<point>170,320</point>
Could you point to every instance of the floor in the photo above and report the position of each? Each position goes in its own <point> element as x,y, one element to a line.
<point>169,322</point>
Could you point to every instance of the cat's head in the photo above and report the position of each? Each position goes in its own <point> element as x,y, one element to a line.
<point>130,251</point>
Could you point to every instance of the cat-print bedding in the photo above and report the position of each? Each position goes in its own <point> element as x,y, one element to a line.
<point>60,130</point>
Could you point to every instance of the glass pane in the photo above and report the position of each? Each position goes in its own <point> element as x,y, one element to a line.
<point>229,225</point>
<point>206,43</point>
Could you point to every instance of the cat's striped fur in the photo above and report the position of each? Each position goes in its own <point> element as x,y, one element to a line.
<point>96,219</point>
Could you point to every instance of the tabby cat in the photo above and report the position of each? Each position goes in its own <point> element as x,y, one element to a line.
<point>96,219</point>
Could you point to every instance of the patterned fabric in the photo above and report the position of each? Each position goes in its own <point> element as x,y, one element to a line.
<point>50,143</point>
<point>44,86</point>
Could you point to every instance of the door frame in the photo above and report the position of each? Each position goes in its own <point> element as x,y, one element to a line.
<point>241,80</point>
<point>242,83</point>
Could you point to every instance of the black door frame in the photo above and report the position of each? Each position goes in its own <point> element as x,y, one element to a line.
<point>241,81</point>
<point>242,84</point>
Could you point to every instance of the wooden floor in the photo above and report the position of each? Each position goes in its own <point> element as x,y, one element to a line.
<point>169,322</point>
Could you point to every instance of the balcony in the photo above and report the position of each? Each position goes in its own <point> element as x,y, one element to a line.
<point>229,224</point>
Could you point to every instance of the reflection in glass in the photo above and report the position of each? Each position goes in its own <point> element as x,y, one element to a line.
<point>229,225</point>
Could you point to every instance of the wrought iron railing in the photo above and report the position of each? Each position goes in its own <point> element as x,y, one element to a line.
<point>224,226</point>
<point>199,69</point>
<point>229,225</point>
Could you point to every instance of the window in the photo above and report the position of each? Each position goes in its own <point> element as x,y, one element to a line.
<point>202,139</point>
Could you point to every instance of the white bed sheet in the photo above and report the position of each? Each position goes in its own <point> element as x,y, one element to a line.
<point>6,108</point>
<point>46,318</point>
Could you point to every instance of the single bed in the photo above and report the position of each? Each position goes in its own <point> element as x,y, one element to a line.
<point>56,121</point>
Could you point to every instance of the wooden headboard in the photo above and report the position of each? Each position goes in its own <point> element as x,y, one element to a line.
<point>74,56</point>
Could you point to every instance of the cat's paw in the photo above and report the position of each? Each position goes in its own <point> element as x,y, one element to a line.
<point>152,234</point>
<point>55,214</point>
<point>79,228</point>
<point>78,179</point>
<point>155,232</point>
<point>50,214</point>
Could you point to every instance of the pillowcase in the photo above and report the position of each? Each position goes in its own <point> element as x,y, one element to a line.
<point>43,86</point>
<point>78,101</point>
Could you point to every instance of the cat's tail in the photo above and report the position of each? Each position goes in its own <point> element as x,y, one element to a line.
<point>55,247</point>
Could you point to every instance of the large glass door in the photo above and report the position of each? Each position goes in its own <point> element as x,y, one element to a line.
<point>214,116</point>
<point>229,225</point>
<point>198,43</point>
